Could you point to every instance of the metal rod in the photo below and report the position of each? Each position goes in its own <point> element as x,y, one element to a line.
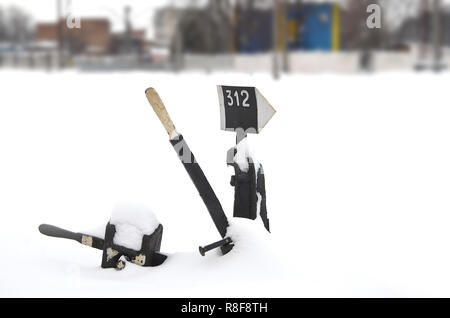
<point>207,248</point>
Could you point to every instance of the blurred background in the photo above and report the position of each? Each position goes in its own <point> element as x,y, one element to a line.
<point>274,36</point>
<point>356,166</point>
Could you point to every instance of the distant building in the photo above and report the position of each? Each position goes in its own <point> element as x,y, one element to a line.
<point>131,42</point>
<point>94,36</point>
<point>46,32</point>
<point>248,28</point>
<point>319,26</point>
<point>310,26</point>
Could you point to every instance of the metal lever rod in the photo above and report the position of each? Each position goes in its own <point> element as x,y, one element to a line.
<point>221,243</point>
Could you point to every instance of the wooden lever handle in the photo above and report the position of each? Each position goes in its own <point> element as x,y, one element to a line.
<point>161,112</point>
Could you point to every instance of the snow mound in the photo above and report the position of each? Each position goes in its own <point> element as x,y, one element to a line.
<point>132,222</point>
<point>249,234</point>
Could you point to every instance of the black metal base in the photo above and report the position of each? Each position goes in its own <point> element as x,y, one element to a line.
<point>147,256</point>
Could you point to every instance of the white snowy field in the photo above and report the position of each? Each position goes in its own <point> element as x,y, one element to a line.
<point>357,174</point>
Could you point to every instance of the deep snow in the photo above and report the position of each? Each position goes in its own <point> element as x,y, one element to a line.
<point>357,177</point>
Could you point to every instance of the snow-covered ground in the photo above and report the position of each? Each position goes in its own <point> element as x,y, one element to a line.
<point>357,173</point>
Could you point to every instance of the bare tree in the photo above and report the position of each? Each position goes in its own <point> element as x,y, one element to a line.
<point>16,26</point>
<point>207,29</point>
<point>3,33</point>
<point>396,12</point>
<point>356,34</point>
<point>354,31</point>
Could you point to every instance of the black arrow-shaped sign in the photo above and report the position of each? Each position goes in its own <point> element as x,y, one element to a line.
<point>244,108</point>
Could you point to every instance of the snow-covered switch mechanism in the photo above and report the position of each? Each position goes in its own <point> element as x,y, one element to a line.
<point>133,234</point>
<point>245,110</point>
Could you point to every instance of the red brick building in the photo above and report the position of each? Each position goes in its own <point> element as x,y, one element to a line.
<point>93,37</point>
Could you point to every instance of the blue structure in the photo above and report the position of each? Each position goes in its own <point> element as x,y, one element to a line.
<point>316,27</point>
<point>311,26</point>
